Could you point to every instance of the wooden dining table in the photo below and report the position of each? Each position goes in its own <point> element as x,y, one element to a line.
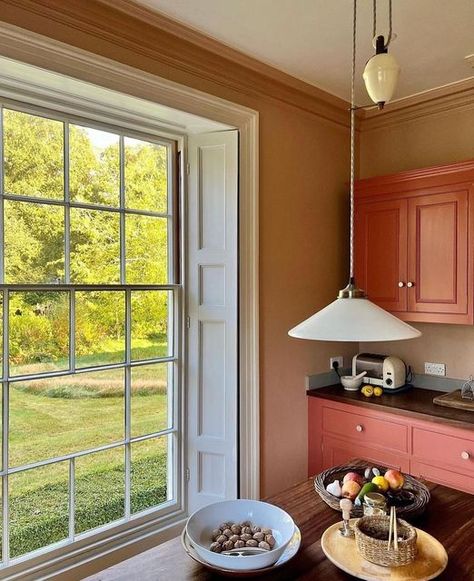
<point>449,517</point>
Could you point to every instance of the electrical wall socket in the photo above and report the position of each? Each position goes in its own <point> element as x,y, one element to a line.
<point>435,368</point>
<point>339,359</point>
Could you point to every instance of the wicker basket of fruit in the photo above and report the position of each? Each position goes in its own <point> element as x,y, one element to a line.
<point>353,481</point>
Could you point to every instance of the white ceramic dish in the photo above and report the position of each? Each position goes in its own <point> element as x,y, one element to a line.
<point>201,524</point>
<point>290,551</point>
<point>351,383</point>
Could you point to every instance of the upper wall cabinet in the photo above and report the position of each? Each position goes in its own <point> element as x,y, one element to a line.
<point>414,238</point>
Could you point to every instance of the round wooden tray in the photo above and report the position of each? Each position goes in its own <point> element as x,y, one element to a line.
<point>289,553</point>
<point>430,561</point>
<point>417,507</point>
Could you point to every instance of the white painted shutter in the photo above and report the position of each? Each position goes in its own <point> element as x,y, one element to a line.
<point>212,309</point>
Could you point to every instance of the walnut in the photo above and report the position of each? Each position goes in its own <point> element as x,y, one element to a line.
<point>236,529</point>
<point>216,533</point>
<point>251,543</point>
<point>239,544</point>
<point>267,531</point>
<point>215,547</point>
<point>228,546</point>
<point>256,530</point>
<point>270,539</point>
<point>222,539</point>
<point>227,532</point>
<point>246,523</point>
<point>259,537</point>
<point>264,545</point>
<point>224,525</point>
<point>245,537</point>
<point>234,538</point>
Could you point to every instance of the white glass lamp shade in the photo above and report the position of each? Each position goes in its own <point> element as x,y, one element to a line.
<point>381,75</point>
<point>353,319</point>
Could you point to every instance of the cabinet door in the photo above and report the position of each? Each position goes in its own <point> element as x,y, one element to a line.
<point>438,255</point>
<point>381,252</point>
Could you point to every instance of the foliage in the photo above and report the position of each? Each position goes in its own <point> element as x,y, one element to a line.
<point>49,417</point>
<point>35,234</point>
<point>39,517</point>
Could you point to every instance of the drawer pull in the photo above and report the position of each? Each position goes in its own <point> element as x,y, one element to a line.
<point>410,284</point>
<point>401,284</point>
<point>360,428</point>
<point>465,455</point>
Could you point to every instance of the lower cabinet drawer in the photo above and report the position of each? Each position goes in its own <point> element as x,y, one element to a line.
<point>337,451</point>
<point>366,430</point>
<point>446,451</point>
<point>442,476</point>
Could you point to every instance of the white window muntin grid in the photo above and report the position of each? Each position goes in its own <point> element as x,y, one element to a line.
<point>175,305</point>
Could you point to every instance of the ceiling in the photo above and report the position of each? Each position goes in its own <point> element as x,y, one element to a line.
<point>311,39</point>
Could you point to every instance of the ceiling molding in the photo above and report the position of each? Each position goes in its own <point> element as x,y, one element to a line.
<point>446,99</point>
<point>171,46</point>
<point>417,178</point>
<point>155,37</point>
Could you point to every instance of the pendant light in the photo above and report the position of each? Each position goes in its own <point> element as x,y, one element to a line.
<point>352,317</point>
<point>382,70</point>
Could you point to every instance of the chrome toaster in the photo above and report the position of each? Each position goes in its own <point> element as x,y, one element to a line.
<point>384,370</point>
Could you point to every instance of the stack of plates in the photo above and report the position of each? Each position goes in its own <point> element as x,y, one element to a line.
<point>196,537</point>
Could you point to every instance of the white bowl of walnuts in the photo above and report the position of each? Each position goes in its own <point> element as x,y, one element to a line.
<point>240,534</point>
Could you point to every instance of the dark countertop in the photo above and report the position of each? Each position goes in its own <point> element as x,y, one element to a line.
<point>415,402</point>
<point>449,517</point>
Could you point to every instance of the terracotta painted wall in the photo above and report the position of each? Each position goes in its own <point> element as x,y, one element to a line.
<point>433,140</point>
<point>303,226</point>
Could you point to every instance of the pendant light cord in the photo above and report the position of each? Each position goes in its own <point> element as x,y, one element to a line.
<point>374,29</point>
<point>352,178</point>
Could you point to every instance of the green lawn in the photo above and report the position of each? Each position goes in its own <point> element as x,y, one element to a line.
<point>57,416</point>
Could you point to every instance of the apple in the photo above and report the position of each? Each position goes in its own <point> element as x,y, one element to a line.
<point>395,479</point>
<point>355,477</point>
<point>350,489</point>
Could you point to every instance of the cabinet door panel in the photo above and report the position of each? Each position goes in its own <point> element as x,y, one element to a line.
<point>381,252</point>
<point>337,452</point>
<point>438,260</point>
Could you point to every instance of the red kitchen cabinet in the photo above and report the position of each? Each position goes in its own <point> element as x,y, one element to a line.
<point>338,432</point>
<point>381,252</point>
<point>414,234</point>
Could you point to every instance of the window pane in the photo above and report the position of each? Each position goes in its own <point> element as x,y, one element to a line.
<point>146,179</point>
<point>39,507</point>
<point>94,167</point>
<point>150,324</point>
<point>39,331</point>
<point>34,157</point>
<point>100,328</point>
<point>95,246</point>
<point>150,397</point>
<point>34,243</point>
<point>100,489</point>
<point>54,416</point>
<point>146,249</point>
<point>149,473</point>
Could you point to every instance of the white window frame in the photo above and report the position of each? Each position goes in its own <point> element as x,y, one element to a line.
<point>174,289</point>
<point>25,46</point>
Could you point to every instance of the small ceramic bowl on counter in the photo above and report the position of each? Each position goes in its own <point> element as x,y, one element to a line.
<point>203,522</point>
<point>351,382</point>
